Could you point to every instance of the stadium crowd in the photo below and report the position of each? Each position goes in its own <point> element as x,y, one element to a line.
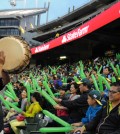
<point>86,94</point>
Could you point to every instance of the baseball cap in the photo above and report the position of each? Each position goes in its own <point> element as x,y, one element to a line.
<point>118,78</point>
<point>95,95</point>
<point>108,79</point>
<point>63,88</point>
<point>85,80</point>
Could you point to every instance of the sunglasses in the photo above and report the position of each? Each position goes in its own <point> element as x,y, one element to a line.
<point>113,92</point>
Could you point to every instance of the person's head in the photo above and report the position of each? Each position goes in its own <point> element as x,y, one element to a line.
<point>20,86</point>
<point>84,85</point>
<point>94,71</point>
<point>24,94</point>
<point>74,88</point>
<point>62,90</point>
<point>106,71</point>
<point>114,92</point>
<point>40,83</point>
<point>35,97</point>
<point>16,85</point>
<point>94,98</point>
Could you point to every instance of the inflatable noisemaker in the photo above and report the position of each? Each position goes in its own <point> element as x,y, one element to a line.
<point>56,94</point>
<point>37,86</point>
<point>38,78</point>
<point>64,80</point>
<point>76,79</point>
<point>39,89</point>
<point>96,67</point>
<point>15,103</point>
<point>114,69</point>
<point>32,91</point>
<point>57,68</point>
<point>89,69</point>
<point>118,69</point>
<point>81,65</point>
<point>100,83</point>
<point>55,118</point>
<point>82,70</point>
<point>108,62</point>
<point>48,98</point>
<point>106,82</point>
<point>10,88</point>
<point>53,70</point>
<point>100,69</point>
<point>8,94</point>
<point>4,102</point>
<point>82,75</point>
<point>118,56</point>
<point>31,75</point>
<point>95,82</point>
<point>55,129</point>
<point>28,91</point>
<point>113,79</point>
<point>45,78</point>
<point>15,107</point>
<point>48,89</point>
<point>33,83</point>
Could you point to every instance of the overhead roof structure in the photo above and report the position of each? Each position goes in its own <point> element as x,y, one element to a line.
<point>97,22</point>
<point>21,12</point>
<point>73,19</point>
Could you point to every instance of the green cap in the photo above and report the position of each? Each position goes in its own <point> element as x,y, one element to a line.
<point>95,95</point>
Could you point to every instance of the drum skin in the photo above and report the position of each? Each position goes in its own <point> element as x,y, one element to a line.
<point>17,54</point>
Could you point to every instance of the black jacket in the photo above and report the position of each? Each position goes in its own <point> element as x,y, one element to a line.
<point>1,84</point>
<point>106,122</point>
<point>1,112</point>
<point>77,107</point>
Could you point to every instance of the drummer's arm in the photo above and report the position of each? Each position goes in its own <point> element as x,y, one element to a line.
<point>4,77</point>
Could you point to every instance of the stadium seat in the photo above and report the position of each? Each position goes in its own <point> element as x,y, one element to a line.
<point>35,126</point>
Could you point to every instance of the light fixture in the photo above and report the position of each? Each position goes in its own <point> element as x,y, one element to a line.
<point>62,57</point>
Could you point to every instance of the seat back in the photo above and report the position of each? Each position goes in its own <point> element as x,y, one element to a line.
<point>36,119</point>
<point>42,123</point>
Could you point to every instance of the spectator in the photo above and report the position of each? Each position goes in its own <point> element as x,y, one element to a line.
<point>106,72</point>
<point>94,102</point>
<point>79,105</point>
<point>107,120</point>
<point>74,91</point>
<point>31,112</point>
<point>4,79</point>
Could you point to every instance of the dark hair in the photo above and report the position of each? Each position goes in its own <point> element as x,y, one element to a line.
<point>24,88</point>
<point>107,68</point>
<point>116,84</point>
<point>94,69</point>
<point>17,82</point>
<point>88,85</point>
<point>75,85</point>
<point>21,84</point>
<point>63,88</point>
<point>38,97</point>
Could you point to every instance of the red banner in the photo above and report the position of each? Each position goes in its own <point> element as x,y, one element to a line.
<point>100,20</point>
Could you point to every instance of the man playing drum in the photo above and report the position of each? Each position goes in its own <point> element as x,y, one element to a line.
<point>4,79</point>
